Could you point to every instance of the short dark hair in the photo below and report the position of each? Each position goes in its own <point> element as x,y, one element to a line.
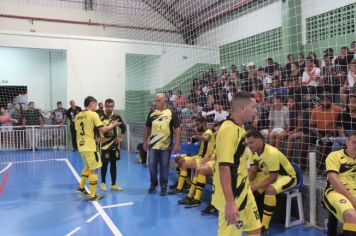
<point>31,102</point>
<point>201,120</point>
<point>254,133</point>
<point>240,98</point>
<point>109,100</point>
<point>352,133</point>
<point>59,103</point>
<point>88,100</point>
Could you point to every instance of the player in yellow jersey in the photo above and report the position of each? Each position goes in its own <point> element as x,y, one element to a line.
<point>110,144</point>
<point>340,190</point>
<point>205,168</point>
<point>232,194</point>
<point>206,148</point>
<point>85,123</point>
<point>271,173</point>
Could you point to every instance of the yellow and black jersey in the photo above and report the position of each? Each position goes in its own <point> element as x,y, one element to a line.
<point>206,148</point>
<point>85,123</point>
<point>110,142</point>
<point>162,124</point>
<point>343,165</point>
<point>231,151</point>
<point>271,160</point>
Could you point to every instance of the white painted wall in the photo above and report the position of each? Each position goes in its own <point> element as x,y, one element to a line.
<point>316,7</point>
<point>143,17</point>
<point>252,23</point>
<point>42,71</point>
<point>96,66</point>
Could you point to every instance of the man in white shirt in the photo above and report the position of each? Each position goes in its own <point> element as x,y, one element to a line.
<point>220,114</point>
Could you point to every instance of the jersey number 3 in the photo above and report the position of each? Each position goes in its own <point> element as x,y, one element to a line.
<point>82,125</point>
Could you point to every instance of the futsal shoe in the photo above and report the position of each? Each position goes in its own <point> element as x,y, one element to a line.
<point>173,186</point>
<point>175,191</point>
<point>103,187</point>
<point>193,203</point>
<point>95,198</point>
<point>264,231</point>
<point>152,188</point>
<point>210,209</point>
<point>82,192</point>
<point>184,201</point>
<point>116,188</point>
<point>163,191</point>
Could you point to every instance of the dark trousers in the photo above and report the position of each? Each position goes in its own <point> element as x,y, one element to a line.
<point>104,169</point>
<point>161,158</point>
<point>74,137</point>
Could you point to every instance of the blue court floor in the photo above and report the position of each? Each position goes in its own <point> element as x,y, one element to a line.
<point>37,197</point>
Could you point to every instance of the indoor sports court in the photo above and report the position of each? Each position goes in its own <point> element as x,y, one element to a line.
<point>122,117</point>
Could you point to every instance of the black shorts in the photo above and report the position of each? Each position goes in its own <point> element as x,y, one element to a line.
<point>110,154</point>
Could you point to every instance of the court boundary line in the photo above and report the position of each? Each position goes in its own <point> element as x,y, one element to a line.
<point>73,231</point>
<point>98,207</point>
<point>107,207</point>
<point>6,167</point>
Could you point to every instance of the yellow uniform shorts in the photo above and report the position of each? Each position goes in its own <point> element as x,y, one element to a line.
<point>282,184</point>
<point>337,203</point>
<point>197,159</point>
<point>91,159</point>
<point>248,220</point>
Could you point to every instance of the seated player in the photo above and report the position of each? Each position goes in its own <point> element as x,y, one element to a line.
<point>340,191</point>
<point>204,168</point>
<point>270,173</point>
<point>206,148</point>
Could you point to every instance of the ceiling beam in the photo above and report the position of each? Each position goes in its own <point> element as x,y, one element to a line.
<point>168,12</point>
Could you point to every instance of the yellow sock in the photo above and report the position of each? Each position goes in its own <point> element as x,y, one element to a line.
<point>83,179</point>
<point>349,229</point>
<point>182,175</point>
<point>192,187</point>
<point>93,180</point>
<point>269,204</point>
<point>200,187</point>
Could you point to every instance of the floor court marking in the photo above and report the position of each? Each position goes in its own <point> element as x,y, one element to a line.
<point>6,167</point>
<point>98,207</point>
<point>73,231</point>
<point>3,182</point>
<point>39,160</point>
<point>110,206</point>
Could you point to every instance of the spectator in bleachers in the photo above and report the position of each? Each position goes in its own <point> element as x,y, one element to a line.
<point>100,108</point>
<point>331,81</point>
<point>59,116</point>
<point>191,96</point>
<point>269,69</point>
<point>200,98</point>
<point>219,113</point>
<point>323,125</point>
<point>341,61</point>
<point>9,108</point>
<point>349,83</point>
<point>278,122</point>
<point>234,75</point>
<point>346,122</point>
<point>243,72</point>
<point>18,115</point>
<point>295,123</point>
<point>352,52</point>
<point>265,78</point>
<point>5,127</point>
<point>72,111</point>
<point>293,85</point>
<point>312,76</point>
<point>276,88</point>
<point>312,55</point>
<point>180,100</point>
<point>301,63</point>
<point>231,93</point>
<point>171,97</point>
<point>32,117</point>
<point>279,73</point>
<point>329,53</point>
<point>261,118</point>
<point>288,66</point>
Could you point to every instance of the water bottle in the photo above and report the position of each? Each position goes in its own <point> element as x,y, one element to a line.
<point>326,221</point>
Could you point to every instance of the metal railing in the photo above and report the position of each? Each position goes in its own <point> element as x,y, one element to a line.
<point>32,137</point>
